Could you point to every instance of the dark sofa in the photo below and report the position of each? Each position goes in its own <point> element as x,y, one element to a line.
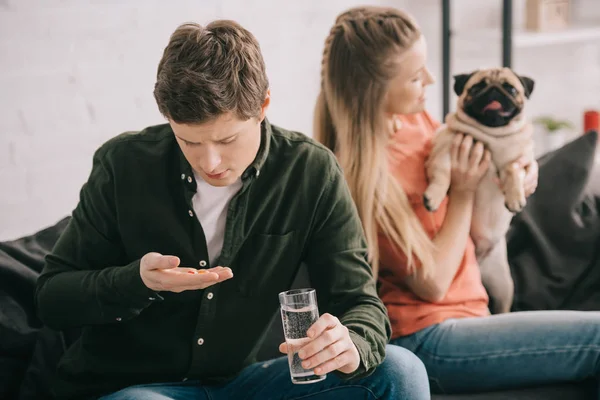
<point>553,251</point>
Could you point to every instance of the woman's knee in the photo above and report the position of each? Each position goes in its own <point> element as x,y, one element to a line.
<point>404,373</point>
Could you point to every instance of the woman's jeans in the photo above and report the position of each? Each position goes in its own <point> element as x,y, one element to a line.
<point>508,350</point>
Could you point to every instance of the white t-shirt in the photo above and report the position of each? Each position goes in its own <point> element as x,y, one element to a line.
<point>210,205</point>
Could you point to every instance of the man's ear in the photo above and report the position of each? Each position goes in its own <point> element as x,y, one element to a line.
<point>528,84</point>
<point>265,105</point>
<point>460,81</point>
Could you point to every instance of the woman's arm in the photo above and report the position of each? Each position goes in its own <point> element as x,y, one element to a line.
<point>469,164</point>
<point>450,244</point>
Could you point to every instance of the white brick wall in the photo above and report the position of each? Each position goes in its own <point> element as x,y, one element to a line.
<point>74,73</point>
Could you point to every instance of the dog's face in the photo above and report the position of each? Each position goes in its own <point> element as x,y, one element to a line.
<point>494,96</point>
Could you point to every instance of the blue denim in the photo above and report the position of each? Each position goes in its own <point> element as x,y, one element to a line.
<point>401,376</point>
<point>508,350</point>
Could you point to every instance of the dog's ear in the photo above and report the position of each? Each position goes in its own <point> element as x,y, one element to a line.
<point>528,84</point>
<point>460,81</point>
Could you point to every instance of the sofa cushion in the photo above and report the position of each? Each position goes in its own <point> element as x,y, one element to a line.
<point>553,242</point>
<point>21,261</point>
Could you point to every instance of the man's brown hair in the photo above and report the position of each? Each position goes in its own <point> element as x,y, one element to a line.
<point>207,71</point>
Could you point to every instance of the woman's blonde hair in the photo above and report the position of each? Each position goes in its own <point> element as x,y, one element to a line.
<point>359,60</point>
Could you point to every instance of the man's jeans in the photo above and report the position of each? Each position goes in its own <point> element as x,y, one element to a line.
<point>507,351</point>
<point>401,376</point>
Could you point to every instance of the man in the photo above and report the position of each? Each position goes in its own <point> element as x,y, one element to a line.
<point>186,232</point>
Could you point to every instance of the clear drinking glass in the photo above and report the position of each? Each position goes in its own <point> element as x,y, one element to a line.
<point>298,312</point>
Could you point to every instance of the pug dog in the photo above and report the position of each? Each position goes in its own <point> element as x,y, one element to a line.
<point>491,109</point>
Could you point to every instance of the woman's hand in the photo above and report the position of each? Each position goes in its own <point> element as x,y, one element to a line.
<point>531,168</point>
<point>470,162</point>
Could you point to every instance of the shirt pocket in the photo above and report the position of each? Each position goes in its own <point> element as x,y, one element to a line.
<point>266,263</point>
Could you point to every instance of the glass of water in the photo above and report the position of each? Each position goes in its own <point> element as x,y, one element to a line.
<point>299,312</point>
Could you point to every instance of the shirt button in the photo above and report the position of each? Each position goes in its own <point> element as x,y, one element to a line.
<point>182,176</point>
<point>189,179</point>
<point>191,213</point>
<point>118,319</point>
<point>151,298</point>
<point>200,342</point>
<point>257,173</point>
<point>209,295</point>
<point>202,263</point>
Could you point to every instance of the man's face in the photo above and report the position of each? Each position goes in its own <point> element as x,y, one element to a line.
<point>220,150</point>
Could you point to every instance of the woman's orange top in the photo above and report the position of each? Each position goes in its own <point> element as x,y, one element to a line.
<point>466,296</point>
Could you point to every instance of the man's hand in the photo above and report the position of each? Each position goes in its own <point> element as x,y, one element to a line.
<point>329,349</point>
<point>162,273</point>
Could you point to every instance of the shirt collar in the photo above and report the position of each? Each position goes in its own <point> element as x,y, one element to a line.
<point>187,174</point>
<point>263,151</point>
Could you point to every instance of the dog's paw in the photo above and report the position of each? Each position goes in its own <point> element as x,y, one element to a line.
<point>427,203</point>
<point>433,197</point>
<point>515,204</point>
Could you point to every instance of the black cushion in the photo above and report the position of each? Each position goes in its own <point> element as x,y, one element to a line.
<point>553,242</point>
<point>21,261</point>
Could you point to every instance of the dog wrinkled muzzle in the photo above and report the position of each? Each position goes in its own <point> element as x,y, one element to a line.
<point>491,105</point>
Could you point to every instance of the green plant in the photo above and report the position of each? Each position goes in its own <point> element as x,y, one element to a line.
<point>553,125</point>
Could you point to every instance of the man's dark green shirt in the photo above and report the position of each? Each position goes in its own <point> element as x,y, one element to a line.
<point>294,207</point>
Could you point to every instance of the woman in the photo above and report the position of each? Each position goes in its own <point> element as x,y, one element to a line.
<point>370,112</point>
